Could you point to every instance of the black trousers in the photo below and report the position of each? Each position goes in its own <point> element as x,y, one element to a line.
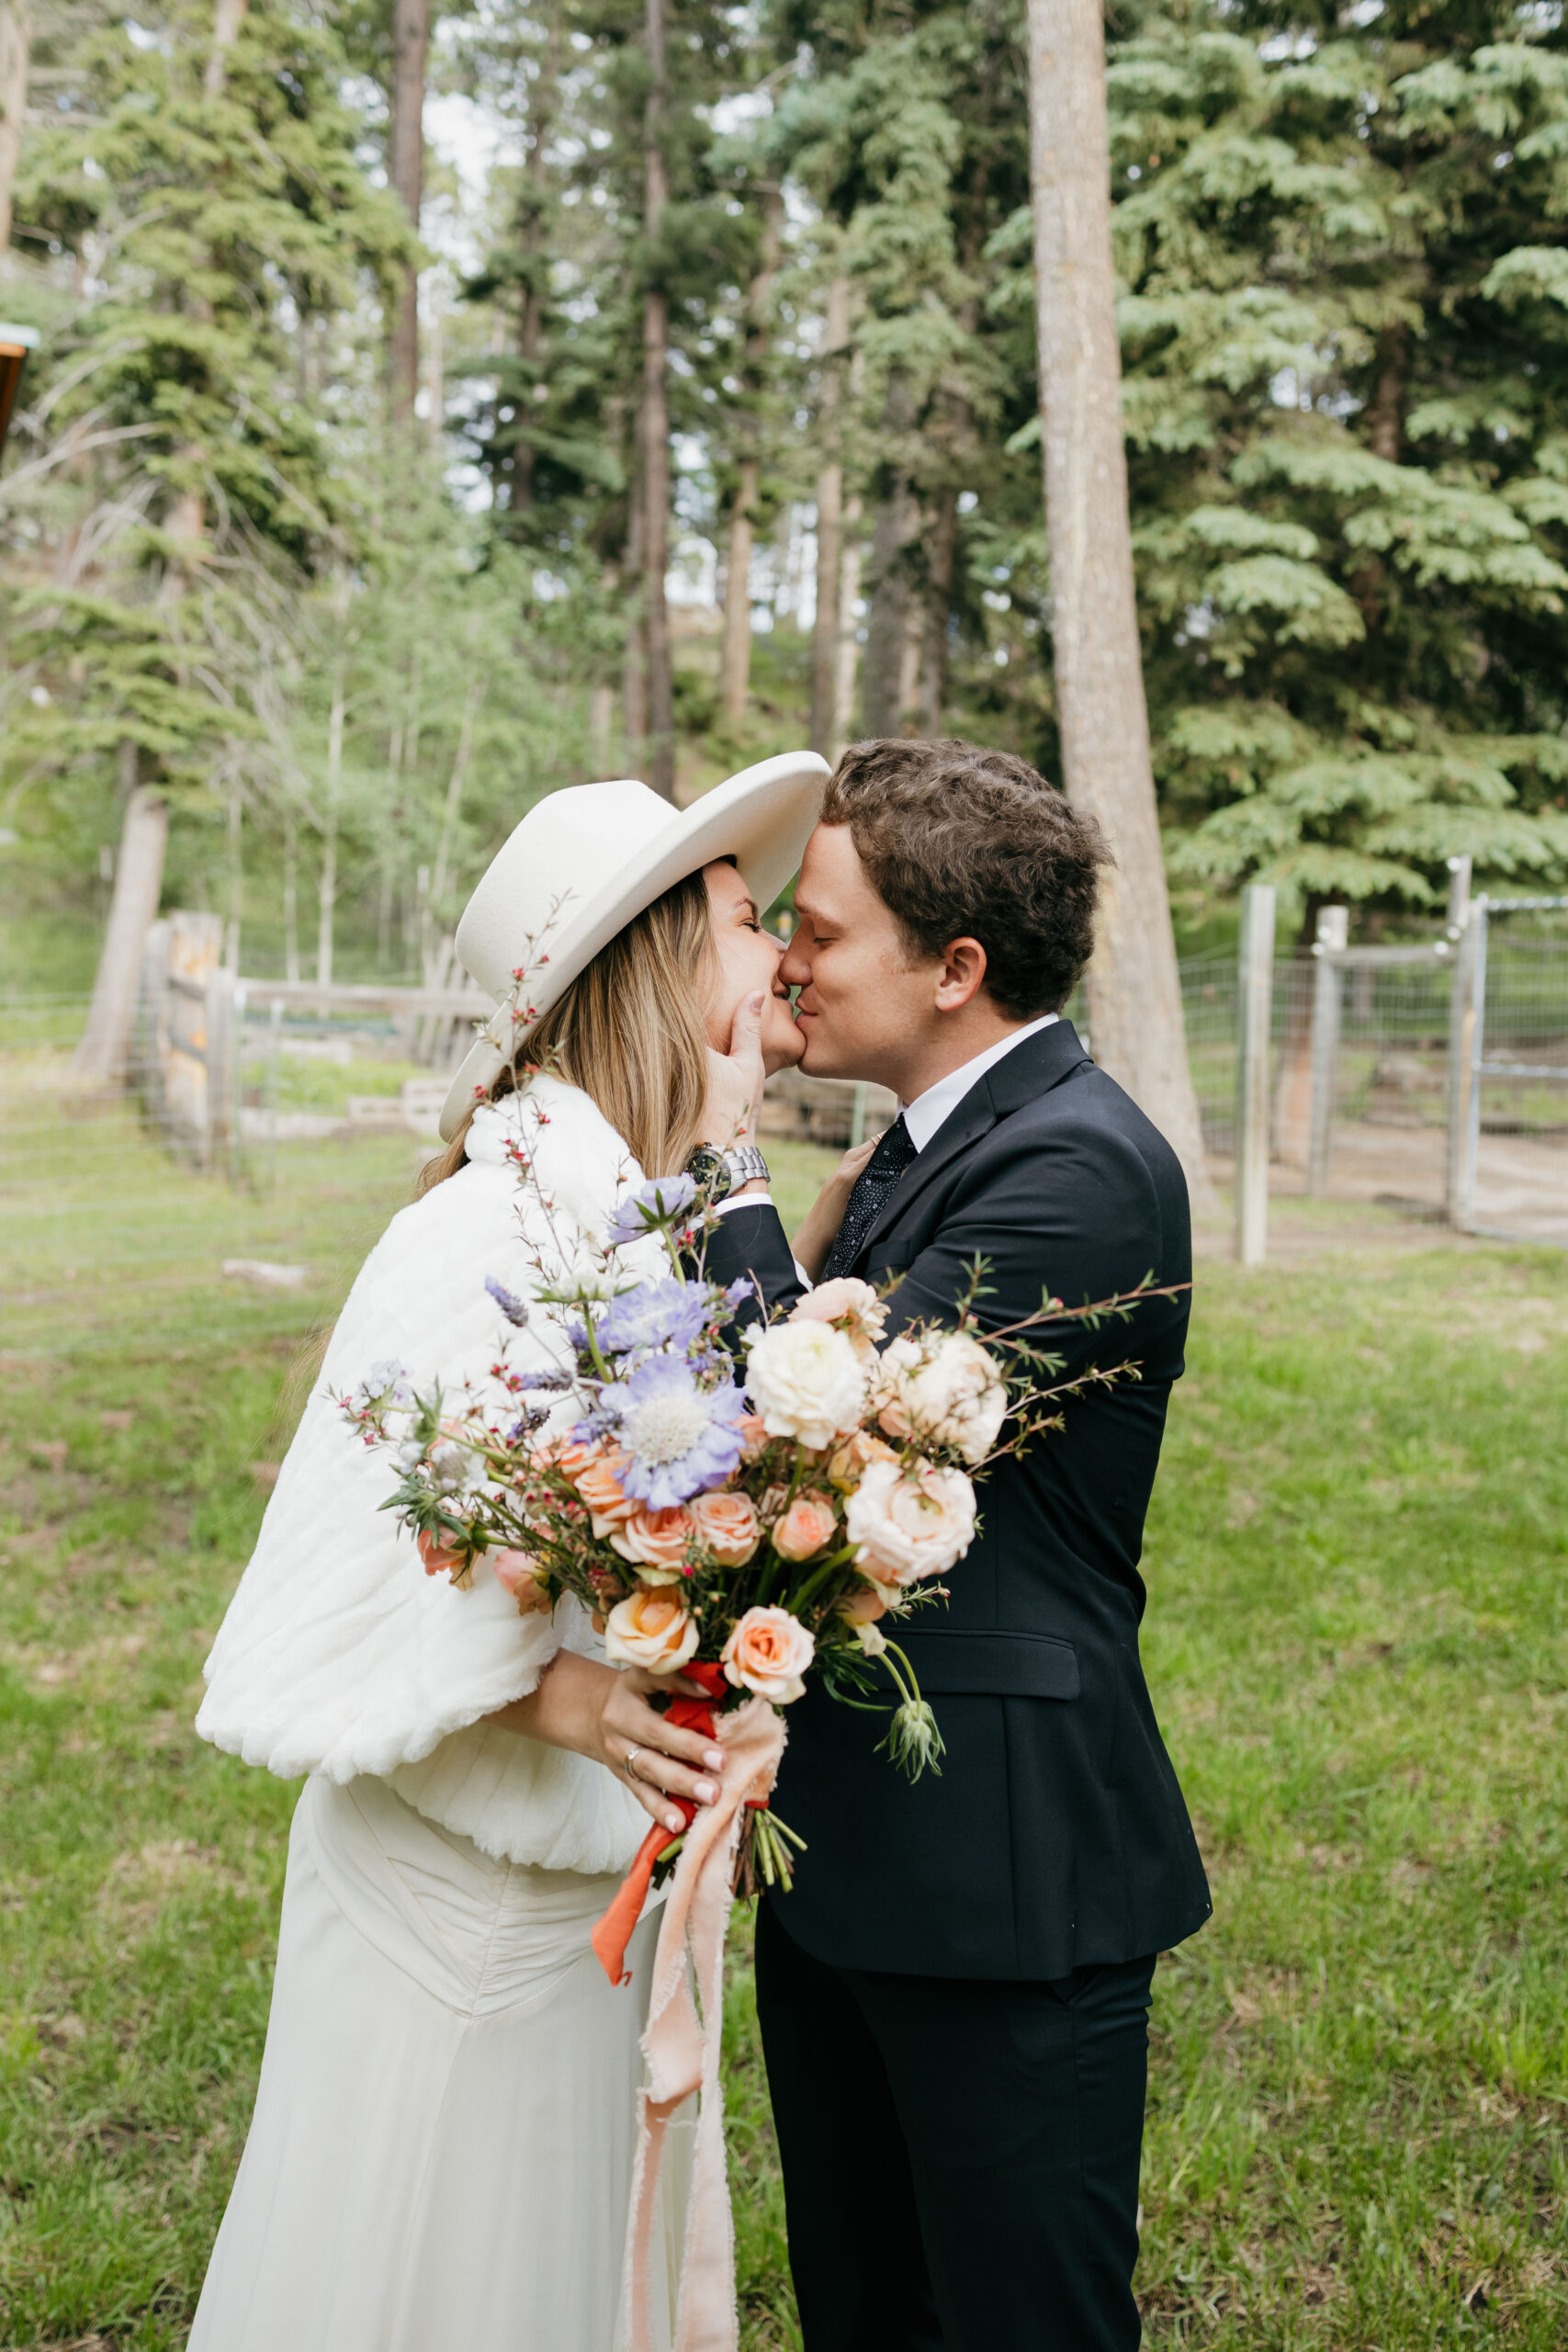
<point>960,2156</point>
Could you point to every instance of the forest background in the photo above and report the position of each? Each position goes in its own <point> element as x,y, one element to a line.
<point>704,419</point>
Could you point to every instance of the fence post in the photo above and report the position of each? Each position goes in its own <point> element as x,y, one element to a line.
<point>1461,931</point>
<point>1475,1044</point>
<point>220,1065</point>
<point>1255,1010</point>
<point>1333,933</point>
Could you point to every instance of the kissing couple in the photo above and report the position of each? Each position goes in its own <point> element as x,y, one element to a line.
<point>955,1997</point>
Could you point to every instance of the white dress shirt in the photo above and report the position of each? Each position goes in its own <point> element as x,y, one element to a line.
<point>931,1110</point>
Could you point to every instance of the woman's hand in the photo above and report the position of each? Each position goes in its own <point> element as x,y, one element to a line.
<point>603,1713</point>
<point>736,1080</point>
<point>820,1228</point>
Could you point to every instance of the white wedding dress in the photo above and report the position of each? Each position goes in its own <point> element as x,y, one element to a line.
<point>441,2153</point>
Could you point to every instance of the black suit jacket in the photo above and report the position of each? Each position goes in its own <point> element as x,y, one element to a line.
<point>1056,1835</point>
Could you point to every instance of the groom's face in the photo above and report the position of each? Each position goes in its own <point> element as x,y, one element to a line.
<point>861,1000</point>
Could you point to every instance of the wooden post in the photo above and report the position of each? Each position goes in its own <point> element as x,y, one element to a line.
<point>1333,933</point>
<point>1459,869</point>
<point>1255,1010</point>
<point>105,1047</point>
<point>220,1066</point>
<point>1469,1048</point>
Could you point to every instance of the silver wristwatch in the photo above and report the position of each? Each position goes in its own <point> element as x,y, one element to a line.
<point>723,1173</point>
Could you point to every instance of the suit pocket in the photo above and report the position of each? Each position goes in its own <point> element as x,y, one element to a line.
<point>992,1665</point>
<point>890,1257</point>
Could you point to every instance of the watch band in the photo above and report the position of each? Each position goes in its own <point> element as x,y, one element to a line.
<point>723,1173</point>
<point>745,1165</point>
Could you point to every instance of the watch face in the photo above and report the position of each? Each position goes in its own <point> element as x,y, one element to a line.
<point>707,1166</point>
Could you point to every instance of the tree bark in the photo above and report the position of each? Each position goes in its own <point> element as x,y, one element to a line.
<point>829,519</point>
<point>15,48</point>
<point>735,676</point>
<point>1386,410</point>
<point>226,18</point>
<point>1134,994</point>
<point>939,605</point>
<point>655,435</point>
<point>846,661</point>
<point>882,687</point>
<point>405,169</point>
<point>105,1048</point>
<point>326,894</point>
<point>542,100</point>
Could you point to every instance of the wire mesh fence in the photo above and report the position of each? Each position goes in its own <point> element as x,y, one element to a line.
<point>122,1206</point>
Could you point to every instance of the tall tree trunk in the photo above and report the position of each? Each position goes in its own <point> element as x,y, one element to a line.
<point>326,896</point>
<point>735,664</point>
<point>1134,993</point>
<point>291,897</point>
<point>633,663</point>
<point>846,661</point>
<point>105,1048</point>
<point>405,169</point>
<point>1386,410</point>
<point>15,48</point>
<point>829,517</point>
<point>542,100</point>
<point>227,17</point>
<point>939,605</point>
<point>882,687</point>
<point>654,452</point>
<point>735,673</point>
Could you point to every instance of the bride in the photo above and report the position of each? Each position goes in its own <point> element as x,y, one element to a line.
<point>441,2152</point>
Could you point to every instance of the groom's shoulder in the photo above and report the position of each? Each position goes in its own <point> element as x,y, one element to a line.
<point>1085,1121</point>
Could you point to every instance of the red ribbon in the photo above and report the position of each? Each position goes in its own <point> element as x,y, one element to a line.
<point>614,1930</point>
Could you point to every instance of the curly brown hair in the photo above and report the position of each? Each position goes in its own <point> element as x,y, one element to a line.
<point>963,842</point>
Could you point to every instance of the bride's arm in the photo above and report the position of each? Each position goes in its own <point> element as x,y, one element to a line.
<point>603,1713</point>
<point>819,1229</point>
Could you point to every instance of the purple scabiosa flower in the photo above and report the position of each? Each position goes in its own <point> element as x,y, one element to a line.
<point>667,1313</point>
<point>652,1208</point>
<point>682,1438</point>
<point>513,1309</point>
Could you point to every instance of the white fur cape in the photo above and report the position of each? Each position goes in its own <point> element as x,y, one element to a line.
<point>339,1655</point>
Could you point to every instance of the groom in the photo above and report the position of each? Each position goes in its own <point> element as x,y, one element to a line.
<point>954,1998</point>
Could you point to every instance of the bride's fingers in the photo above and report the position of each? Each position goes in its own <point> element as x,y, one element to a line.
<point>745,1029</point>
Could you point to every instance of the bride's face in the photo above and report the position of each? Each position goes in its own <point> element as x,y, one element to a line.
<point>747,959</point>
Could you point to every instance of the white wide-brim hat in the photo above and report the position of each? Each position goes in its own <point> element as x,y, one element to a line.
<point>586,859</point>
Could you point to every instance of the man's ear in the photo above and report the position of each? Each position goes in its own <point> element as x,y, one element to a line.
<point>962,975</point>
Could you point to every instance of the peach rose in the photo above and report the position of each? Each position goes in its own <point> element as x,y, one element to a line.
<point>600,1486</point>
<point>650,1628</point>
<point>852,1306</point>
<point>909,1524</point>
<point>515,1572</point>
<point>810,1524</point>
<point>572,1456</point>
<point>657,1542</point>
<point>848,1462</point>
<point>753,1435</point>
<point>727,1523</point>
<point>767,1653</point>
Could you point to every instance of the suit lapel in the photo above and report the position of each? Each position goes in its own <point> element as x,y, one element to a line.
<point>1031,1070</point>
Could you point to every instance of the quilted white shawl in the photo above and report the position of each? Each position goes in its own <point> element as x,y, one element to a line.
<point>338,1654</point>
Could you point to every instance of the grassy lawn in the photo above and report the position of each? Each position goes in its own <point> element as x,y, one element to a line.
<point>1356,1643</point>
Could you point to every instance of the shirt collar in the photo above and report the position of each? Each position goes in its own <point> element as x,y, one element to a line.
<point>933,1109</point>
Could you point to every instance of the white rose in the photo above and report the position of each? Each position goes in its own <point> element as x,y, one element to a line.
<point>909,1524</point>
<point>806,1382</point>
<point>944,1391</point>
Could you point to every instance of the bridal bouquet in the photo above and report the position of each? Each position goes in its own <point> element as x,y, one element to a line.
<point>743,1524</point>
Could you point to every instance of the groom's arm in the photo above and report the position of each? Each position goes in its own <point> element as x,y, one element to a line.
<point>749,1242</point>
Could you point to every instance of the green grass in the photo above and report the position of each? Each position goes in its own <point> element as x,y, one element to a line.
<point>1356,1641</point>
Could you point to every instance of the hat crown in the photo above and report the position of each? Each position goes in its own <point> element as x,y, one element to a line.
<point>562,853</point>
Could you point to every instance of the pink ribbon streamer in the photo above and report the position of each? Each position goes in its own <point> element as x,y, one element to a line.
<point>682,2051</point>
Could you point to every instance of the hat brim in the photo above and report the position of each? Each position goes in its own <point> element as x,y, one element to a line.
<point>762,818</point>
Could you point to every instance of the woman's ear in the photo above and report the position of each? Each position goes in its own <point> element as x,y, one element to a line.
<point>962,975</point>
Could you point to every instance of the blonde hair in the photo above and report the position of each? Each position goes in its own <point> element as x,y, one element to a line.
<point>630,1032</point>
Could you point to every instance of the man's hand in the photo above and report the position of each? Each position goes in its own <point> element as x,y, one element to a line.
<point>736,1080</point>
